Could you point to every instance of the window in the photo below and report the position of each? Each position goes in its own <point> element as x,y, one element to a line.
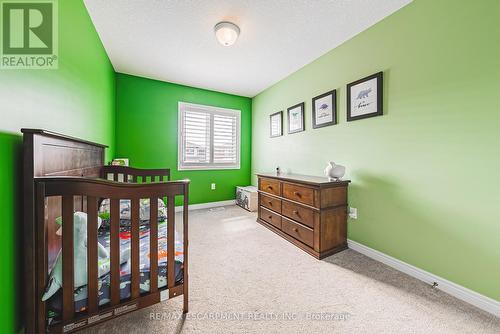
<point>209,137</point>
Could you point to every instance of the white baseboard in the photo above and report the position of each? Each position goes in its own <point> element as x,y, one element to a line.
<point>206,205</point>
<point>483,302</point>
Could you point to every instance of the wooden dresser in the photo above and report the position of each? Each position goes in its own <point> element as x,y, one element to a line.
<point>308,211</point>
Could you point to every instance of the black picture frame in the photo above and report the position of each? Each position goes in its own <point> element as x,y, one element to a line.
<point>280,113</point>
<point>301,106</point>
<point>333,93</point>
<point>379,103</point>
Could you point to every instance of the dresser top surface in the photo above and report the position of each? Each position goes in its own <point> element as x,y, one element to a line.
<point>308,179</point>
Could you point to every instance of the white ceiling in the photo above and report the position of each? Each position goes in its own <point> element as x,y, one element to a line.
<point>174,41</point>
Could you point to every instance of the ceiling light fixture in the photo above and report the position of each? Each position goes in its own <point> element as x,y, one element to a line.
<point>227,33</point>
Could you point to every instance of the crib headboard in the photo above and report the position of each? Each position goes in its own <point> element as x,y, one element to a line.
<point>53,154</point>
<point>48,153</point>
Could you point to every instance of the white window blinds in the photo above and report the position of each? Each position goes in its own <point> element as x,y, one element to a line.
<point>225,139</point>
<point>208,137</point>
<point>196,137</point>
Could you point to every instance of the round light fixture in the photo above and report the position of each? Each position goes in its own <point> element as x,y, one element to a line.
<point>227,33</point>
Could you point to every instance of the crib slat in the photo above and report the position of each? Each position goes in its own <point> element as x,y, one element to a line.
<point>67,257</point>
<point>115,251</point>
<point>134,248</point>
<point>92,274</point>
<point>153,245</point>
<point>41,235</point>
<point>115,176</point>
<point>171,241</point>
<point>185,248</point>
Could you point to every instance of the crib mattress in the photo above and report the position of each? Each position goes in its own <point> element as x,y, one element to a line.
<point>54,304</point>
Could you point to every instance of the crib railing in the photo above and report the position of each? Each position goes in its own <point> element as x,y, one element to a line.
<point>134,175</point>
<point>94,190</point>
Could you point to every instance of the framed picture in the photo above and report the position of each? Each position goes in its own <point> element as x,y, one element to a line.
<point>296,118</point>
<point>364,97</point>
<point>276,124</point>
<point>324,109</point>
<point>120,162</point>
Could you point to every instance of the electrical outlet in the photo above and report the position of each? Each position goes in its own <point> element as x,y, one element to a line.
<point>212,186</point>
<point>353,213</point>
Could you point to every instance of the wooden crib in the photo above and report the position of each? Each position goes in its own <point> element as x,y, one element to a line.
<point>64,174</point>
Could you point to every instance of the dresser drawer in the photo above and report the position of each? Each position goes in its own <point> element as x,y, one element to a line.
<point>270,203</point>
<point>298,213</point>
<point>298,193</point>
<point>270,186</point>
<point>270,217</point>
<point>299,232</point>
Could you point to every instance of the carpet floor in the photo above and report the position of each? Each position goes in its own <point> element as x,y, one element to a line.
<point>246,279</point>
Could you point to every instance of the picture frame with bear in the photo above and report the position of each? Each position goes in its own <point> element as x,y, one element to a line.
<point>364,97</point>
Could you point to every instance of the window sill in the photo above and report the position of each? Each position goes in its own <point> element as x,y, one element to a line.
<point>194,168</point>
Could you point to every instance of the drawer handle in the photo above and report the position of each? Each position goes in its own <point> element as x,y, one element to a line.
<point>296,193</point>
<point>270,203</point>
<point>271,217</point>
<point>270,187</point>
<point>295,212</point>
<point>296,230</point>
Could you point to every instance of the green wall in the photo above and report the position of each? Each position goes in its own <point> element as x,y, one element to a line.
<point>77,99</point>
<point>146,132</point>
<point>424,175</point>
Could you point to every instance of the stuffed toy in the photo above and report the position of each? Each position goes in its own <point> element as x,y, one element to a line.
<point>80,257</point>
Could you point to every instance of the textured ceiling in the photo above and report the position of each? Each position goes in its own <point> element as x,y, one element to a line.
<point>174,40</point>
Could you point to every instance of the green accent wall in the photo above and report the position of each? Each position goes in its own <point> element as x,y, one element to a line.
<point>78,99</point>
<point>146,132</point>
<point>425,174</point>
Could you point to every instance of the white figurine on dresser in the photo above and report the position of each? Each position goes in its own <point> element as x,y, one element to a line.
<point>334,172</point>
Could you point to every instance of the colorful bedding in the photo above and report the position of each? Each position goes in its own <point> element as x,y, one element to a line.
<point>54,304</point>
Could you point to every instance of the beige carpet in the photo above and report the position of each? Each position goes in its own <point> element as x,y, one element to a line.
<point>245,279</point>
